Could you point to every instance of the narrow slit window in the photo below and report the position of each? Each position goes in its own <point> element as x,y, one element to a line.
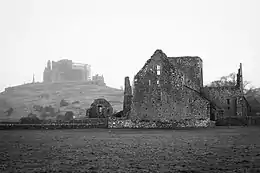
<point>158,70</point>
<point>149,82</point>
<point>228,101</point>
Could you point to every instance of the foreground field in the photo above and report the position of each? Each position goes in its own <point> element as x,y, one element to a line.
<point>234,149</point>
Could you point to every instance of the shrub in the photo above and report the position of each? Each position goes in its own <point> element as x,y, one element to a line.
<point>63,103</point>
<point>75,102</point>
<point>60,117</point>
<point>68,116</point>
<point>30,120</point>
<point>31,115</point>
<point>38,108</point>
<point>118,114</point>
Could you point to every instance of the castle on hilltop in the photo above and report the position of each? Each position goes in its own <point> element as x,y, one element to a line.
<point>66,70</point>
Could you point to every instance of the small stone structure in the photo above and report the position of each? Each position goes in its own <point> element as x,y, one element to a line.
<point>100,108</point>
<point>98,80</point>
<point>127,98</point>
<point>171,89</point>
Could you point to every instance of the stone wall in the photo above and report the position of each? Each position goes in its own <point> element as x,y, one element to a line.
<point>191,123</point>
<point>100,108</point>
<point>228,98</point>
<point>192,68</point>
<point>164,96</point>
<point>242,106</point>
<point>127,98</point>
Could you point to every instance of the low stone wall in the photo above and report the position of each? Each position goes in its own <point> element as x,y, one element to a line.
<point>239,121</point>
<point>161,125</point>
<point>111,123</point>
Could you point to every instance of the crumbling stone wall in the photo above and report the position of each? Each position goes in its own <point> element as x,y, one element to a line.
<point>100,108</point>
<point>242,106</point>
<point>227,97</point>
<point>192,68</point>
<point>160,93</point>
<point>127,98</point>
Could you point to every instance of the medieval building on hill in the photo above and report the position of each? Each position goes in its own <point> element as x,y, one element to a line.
<point>66,70</point>
<point>171,88</point>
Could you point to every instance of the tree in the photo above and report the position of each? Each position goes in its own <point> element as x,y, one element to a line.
<point>230,80</point>
<point>9,111</point>
<point>31,119</point>
<point>68,116</point>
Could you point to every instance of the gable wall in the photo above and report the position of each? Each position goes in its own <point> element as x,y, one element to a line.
<point>168,100</point>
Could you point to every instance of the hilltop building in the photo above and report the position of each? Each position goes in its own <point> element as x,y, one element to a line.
<point>66,70</point>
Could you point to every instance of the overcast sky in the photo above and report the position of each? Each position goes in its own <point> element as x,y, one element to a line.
<point>116,37</point>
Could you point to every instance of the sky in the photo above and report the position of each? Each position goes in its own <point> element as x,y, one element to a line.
<point>116,37</point>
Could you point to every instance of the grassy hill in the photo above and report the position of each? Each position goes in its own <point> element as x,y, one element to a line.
<point>22,98</point>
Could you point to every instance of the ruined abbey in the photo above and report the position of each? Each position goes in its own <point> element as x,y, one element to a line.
<point>171,88</point>
<point>66,70</point>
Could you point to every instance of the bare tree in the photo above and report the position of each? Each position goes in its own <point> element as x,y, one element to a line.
<point>230,80</point>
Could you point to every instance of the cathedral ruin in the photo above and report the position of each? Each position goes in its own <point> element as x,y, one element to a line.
<point>171,88</point>
<point>66,70</point>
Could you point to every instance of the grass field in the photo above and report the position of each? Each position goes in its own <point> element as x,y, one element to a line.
<point>220,149</point>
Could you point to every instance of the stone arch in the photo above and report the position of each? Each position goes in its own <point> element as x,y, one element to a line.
<point>100,108</point>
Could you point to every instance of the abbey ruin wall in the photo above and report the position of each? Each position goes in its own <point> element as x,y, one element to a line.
<point>192,68</point>
<point>160,92</point>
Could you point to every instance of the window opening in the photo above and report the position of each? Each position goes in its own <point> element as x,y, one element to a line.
<point>228,101</point>
<point>99,109</point>
<point>158,70</point>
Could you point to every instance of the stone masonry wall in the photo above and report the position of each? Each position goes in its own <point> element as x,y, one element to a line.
<point>127,97</point>
<point>192,68</point>
<point>164,97</point>
<point>220,95</point>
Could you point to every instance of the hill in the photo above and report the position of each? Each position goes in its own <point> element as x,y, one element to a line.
<point>79,95</point>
